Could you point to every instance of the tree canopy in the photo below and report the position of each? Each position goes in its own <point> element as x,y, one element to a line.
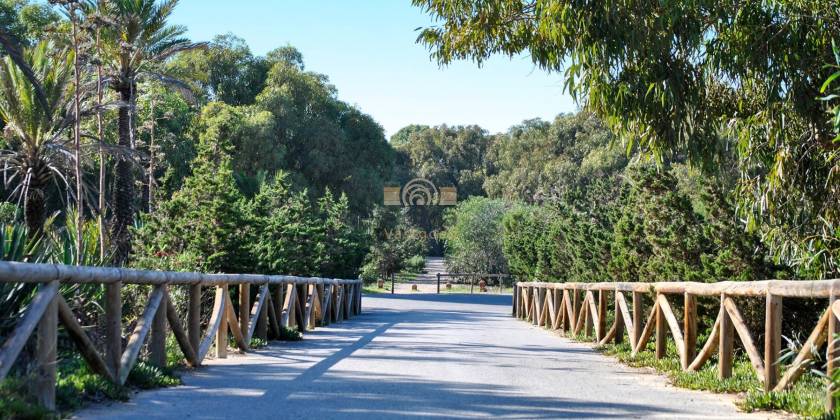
<point>727,76</point>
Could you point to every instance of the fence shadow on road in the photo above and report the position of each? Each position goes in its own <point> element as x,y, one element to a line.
<point>327,376</point>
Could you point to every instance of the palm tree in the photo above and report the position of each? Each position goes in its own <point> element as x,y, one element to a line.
<point>138,40</point>
<point>11,46</point>
<point>36,150</point>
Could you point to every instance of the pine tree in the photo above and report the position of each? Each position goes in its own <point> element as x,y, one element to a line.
<point>291,236</point>
<point>204,226</point>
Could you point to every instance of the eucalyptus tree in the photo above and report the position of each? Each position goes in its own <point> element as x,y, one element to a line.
<point>36,151</point>
<point>137,42</point>
<point>682,78</point>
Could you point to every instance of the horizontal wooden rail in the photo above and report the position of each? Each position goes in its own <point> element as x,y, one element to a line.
<point>281,302</point>
<point>576,307</point>
<point>11,272</point>
<point>783,288</point>
<point>475,275</point>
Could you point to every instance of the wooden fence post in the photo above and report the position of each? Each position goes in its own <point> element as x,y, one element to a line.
<point>157,342</point>
<point>772,340</point>
<point>689,329</point>
<point>278,302</point>
<point>727,337</point>
<point>638,316</point>
<point>43,385</point>
<point>832,352</point>
<point>602,315</point>
<point>244,308</point>
<point>194,316</point>
<point>348,298</point>
<point>661,327</point>
<point>320,308</point>
<point>261,330</point>
<point>619,322</point>
<point>113,327</point>
<point>515,308</point>
<point>222,333</point>
<point>300,307</point>
<point>357,299</point>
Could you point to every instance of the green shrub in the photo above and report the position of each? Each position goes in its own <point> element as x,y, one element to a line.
<point>16,403</point>
<point>394,240</point>
<point>257,343</point>
<point>76,383</point>
<point>806,397</point>
<point>290,334</point>
<point>415,264</point>
<point>147,376</point>
<point>474,236</point>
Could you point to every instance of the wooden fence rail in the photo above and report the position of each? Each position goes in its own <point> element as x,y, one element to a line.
<point>281,301</point>
<point>583,307</point>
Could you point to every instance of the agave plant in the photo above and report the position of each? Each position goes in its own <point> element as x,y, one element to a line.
<point>17,245</point>
<point>61,246</point>
<point>36,152</point>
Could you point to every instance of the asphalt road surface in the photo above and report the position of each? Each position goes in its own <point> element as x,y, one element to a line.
<point>423,356</point>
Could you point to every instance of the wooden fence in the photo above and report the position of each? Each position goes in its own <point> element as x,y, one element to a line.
<point>500,279</point>
<point>281,301</point>
<point>583,307</point>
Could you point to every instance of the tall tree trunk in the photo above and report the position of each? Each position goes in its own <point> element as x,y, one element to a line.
<point>123,183</point>
<point>152,160</point>
<point>100,134</point>
<point>35,210</point>
<point>77,135</point>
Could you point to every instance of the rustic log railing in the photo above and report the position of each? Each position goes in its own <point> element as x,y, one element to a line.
<point>281,301</point>
<point>582,307</point>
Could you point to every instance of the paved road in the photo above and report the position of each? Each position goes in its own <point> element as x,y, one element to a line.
<point>427,281</point>
<point>448,356</point>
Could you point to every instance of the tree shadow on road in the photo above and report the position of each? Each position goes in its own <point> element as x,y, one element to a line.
<point>310,378</point>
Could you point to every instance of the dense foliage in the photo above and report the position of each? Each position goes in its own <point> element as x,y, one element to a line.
<point>751,72</point>
<point>474,236</point>
<point>395,242</point>
<point>588,213</point>
<point>447,157</point>
<point>200,145</point>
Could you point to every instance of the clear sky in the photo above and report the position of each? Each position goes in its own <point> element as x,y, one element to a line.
<point>368,50</point>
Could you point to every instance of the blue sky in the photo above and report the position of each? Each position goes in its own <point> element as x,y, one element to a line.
<point>368,50</point>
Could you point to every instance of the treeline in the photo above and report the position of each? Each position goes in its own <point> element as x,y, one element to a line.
<point>752,88</point>
<point>605,218</point>
<point>180,155</point>
<point>564,201</point>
